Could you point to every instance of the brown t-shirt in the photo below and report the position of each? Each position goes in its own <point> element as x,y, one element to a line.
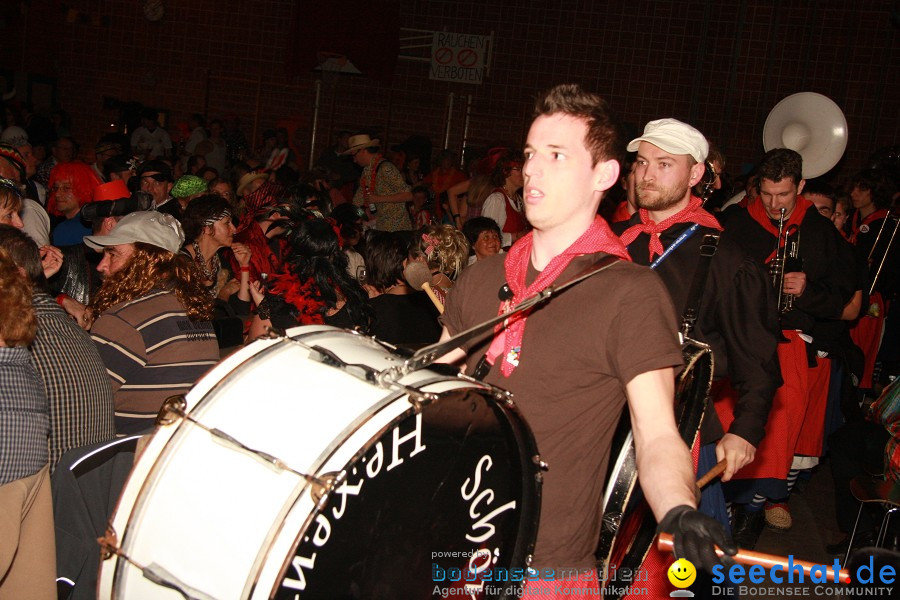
<point>579,351</point>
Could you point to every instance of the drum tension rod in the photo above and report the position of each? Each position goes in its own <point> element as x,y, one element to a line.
<point>322,486</point>
<point>159,575</point>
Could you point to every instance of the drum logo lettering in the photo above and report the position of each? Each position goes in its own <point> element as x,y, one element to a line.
<point>321,529</point>
<point>483,528</point>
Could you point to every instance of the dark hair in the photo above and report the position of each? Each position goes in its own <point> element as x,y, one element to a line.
<point>878,182</point>
<point>158,166</point>
<point>115,164</point>
<point>504,167</point>
<point>316,255</point>
<point>192,162</point>
<point>820,188</point>
<point>385,253</point>
<point>207,169</point>
<point>198,119</point>
<point>25,253</point>
<point>476,225</point>
<point>199,211</point>
<point>779,163</point>
<point>307,197</point>
<point>604,138</point>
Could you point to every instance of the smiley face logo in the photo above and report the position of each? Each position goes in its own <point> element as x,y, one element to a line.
<point>682,573</point>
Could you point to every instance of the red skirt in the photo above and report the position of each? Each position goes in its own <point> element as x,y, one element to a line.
<point>866,333</point>
<point>812,430</point>
<point>776,451</point>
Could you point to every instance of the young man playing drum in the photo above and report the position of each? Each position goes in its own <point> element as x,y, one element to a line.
<point>574,362</point>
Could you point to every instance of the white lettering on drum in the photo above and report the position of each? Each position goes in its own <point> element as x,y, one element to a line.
<point>345,490</point>
<point>323,531</point>
<point>477,484</point>
<point>485,523</point>
<point>416,434</point>
<point>373,467</point>
<point>374,462</point>
<point>486,496</point>
<point>299,563</point>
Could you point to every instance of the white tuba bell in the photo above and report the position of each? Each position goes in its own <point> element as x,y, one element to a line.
<point>811,124</point>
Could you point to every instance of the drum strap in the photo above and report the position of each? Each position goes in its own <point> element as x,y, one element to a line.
<point>692,307</point>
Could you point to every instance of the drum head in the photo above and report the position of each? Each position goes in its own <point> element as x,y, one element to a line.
<point>419,503</point>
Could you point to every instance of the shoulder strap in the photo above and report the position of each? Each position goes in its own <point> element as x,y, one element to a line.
<point>692,307</point>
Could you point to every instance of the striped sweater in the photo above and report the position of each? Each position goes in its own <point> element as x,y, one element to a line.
<point>151,350</point>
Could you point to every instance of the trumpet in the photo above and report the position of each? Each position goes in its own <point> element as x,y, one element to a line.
<point>786,259</point>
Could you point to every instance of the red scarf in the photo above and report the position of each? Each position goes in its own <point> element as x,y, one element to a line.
<point>856,225</point>
<point>759,214</point>
<point>597,238</point>
<point>692,213</point>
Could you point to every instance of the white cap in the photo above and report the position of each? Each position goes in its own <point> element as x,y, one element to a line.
<point>673,136</point>
<point>150,227</point>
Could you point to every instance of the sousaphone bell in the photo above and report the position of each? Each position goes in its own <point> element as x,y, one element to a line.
<point>810,124</point>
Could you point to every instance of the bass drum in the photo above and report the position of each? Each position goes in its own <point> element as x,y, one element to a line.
<point>290,473</point>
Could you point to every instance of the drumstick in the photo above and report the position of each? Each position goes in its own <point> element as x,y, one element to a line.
<point>767,561</point>
<point>717,470</point>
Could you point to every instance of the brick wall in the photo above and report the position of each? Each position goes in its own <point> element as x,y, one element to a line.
<point>720,65</point>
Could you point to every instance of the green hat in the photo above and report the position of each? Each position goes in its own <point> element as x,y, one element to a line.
<point>189,185</point>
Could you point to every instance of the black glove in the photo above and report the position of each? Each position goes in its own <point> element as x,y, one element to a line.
<point>695,534</point>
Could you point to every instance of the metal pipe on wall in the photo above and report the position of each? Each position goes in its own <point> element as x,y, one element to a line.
<point>449,120</point>
<point>465,134</point>
<point>315,124</point>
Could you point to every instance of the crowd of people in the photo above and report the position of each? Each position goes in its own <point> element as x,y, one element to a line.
<point>128,272</point>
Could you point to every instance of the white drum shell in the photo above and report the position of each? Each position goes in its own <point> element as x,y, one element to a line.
<point>223,521</point>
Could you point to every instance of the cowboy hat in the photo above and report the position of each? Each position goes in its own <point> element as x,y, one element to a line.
<point>358,142</point>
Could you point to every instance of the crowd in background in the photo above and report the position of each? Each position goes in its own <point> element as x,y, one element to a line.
<point>236,239</point>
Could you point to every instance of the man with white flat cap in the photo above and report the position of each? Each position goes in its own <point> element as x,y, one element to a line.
<point>734,313</point>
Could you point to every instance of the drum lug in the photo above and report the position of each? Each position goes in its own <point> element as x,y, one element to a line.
<point>505,397</point>
<point>536,459</point>
<point>323,485</point>
<point>172,410</point>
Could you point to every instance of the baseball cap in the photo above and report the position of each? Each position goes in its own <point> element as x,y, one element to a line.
<point>150,227</point>
<point>673,136</point>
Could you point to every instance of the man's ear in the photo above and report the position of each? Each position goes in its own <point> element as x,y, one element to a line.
<point>606,174</point>
<point>800,186</point>
<point>697,172</point>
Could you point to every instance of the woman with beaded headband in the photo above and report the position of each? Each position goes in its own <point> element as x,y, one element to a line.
<point>208,229</point>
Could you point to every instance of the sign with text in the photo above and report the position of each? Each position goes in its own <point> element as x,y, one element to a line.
<point>458,56</point>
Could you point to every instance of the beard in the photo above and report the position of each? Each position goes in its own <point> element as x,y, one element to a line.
<point>654,197</point>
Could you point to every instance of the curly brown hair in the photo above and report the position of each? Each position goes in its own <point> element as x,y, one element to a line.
<point>17,321</point>
<point>152,268</point>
